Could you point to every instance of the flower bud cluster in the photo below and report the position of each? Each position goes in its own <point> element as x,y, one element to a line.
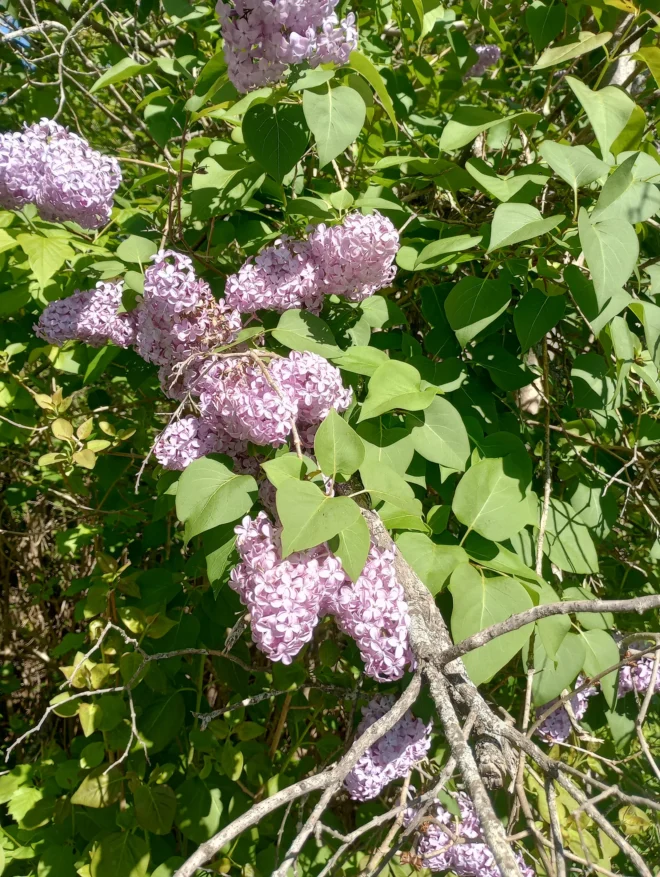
<point>263,37</point>
<point>557,727</point>
<point>488,57</point>
<point>286,598</point>
<point>90,316</point>
<point>354,260</point>
<point>457,844</point>
<point>392,756</point>
<point>45,164</point>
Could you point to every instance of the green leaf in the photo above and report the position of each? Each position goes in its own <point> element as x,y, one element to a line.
<point>506,370</point>
<point>568,542</point>
<point>436,253</point>
<point>137,249</point>
<point>222,185</point>
<point>433,563</point>
<point>351,546</point>
<point>393,447</point>
<point>199,809</point>
<point>210,494</point>
<point>155,806</point>
<point>587,42</point>
<point>601,652</point>
<point>513,186</point>
<point>45,255</point>
<point>468,122</point>
<point>384,484</point>
<point>124,69</point>
<point>163,718</point>
<point>535,315</point>
<point>335,117</point>
<point>598,306</point>
<point>439,435</point>
<point>479,603</point>
<point>276,136</point>
<point>395,385</point>
<point>514,223</point>
<point>473,304</point>
<point>300,330</point>
<point>337,447</point>
<point>544,23</point>
<point>651,56</point>
<point>608,110</point>
<point>553,675</point>
<point>7,242</point>
<point>99,789</point>
<point>218,545</point>
<point>311,79</point>
<point>309,517</point>
<point>489,498</point>
<point>589,620</point>
<point>100,362</point>
<point>626,195</point>
<point>610,249</point>
<point>287,466</point>
<point>576,165</point>
<point>360,360</point>
<point>365,67</point>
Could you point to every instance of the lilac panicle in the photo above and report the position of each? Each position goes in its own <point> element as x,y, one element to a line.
<point>90,316</point>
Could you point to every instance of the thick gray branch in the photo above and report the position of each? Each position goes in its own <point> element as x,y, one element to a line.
<point>637,604</point>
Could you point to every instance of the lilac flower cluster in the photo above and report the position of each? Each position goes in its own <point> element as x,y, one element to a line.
<point>90,316</point>
<point>392,756</point>
<point>458,845</point>
<point>488,57</point>
<point>47,165</point>
<point>637,676</point>
<point>263,37</point>
<point>557,727</point>
<point>353,260</point>
<point>286,598</point>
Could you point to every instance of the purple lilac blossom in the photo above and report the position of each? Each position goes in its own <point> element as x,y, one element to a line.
<point>284,597</point>
<point>637,676</point>
<point>90,316</point>
<point>461,847</point>
<point>392,756</point>
<point>374,612</point>
<point>354,260</point>
<point>557,727</point>
<point>488,57</point>
<point>263,37</point>
<point>47,165</point>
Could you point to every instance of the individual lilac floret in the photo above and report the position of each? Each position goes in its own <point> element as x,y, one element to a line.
<point>262,38</point>
<point>314,387</point>
<point>90,316</point>
<point>557,727</point>
<point>460,846</point>
<point>356,258</point>
<point>391,757</point>
<point>637,676</point>
<point>375,613</point>
<point>280,277</point>
<point>283,597</point>
<point>47,165</point>
<point>488,57</point>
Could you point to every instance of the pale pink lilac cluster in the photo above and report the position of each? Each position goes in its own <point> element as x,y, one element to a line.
<point>179,321</point>
<point>47,165</point>
<point>353,259</point>
<point>557,727</point>
<point>489,55</point>
<point>286,598</point>
<point>374,612</point>
<point>262,38</point>
<point>183,441</point>
<point>637,676</point>
<point>392,756</point>
<point>449,843</point>
<point>91,316</point>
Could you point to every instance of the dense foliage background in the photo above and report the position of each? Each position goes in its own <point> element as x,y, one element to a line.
<point>526,293</point>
